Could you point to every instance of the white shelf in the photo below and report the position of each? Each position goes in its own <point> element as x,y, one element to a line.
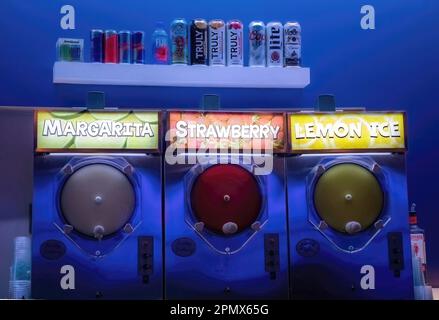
<point>179,75</point>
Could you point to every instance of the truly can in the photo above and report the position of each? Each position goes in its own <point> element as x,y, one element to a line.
<point>256,35</point>
<point>292,44</point>
<point>199,41</point>
<point>235,48</point>
<point>138,47</point>
<point>124,46</point>
<point>217,43</point>
<point>96,45</point>
<point>179,42</point>
<point>111,54</point>
<point>275,44</point>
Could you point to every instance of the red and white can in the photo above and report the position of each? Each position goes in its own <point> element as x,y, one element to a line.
<point>235,47</point>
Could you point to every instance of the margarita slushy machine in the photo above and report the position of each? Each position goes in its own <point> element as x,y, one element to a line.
<point>96,219</point>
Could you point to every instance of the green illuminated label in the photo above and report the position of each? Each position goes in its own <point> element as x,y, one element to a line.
<point>89,130</point>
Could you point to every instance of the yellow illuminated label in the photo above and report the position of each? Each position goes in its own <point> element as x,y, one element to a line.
<point>347,131</point>
<point>96,130</point>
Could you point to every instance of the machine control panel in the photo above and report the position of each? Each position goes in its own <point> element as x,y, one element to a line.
<point>271,253</point>
<point>396,254</point>
<point>145,257</point>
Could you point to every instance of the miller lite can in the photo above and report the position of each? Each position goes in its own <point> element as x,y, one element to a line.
<point>256,35</point>
<point>235,48</point>
<point>217,43</point>
<point>179,42</point>
<point>199,42</point>
<point>292,44</point>
<point>275,44</point>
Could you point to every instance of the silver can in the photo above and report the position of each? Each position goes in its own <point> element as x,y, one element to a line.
<point>256,36</point>
<point>235,48</point>
<point>275,44</point>
<point>217,43</point>
<point>292,44</point>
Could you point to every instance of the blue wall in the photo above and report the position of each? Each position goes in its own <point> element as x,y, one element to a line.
<point>392,67</point>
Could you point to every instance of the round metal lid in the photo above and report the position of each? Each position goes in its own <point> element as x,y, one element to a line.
<point>226,198</point>
<point>348,198</point>
<point>97,200</point>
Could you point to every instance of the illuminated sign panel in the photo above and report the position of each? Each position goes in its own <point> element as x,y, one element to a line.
<point>333,132</point>
<point>219,130</point>
<point>65,131</point>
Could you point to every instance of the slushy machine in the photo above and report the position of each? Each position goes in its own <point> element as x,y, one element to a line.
<point>347,201</point>
<point>226,228</point>
<point>235,205</point>
<point>97,212</point>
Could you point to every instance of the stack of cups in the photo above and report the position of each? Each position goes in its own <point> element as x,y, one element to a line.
<point>20,284</point>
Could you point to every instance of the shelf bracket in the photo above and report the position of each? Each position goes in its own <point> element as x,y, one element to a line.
<point>210,102</point>
<point>326,102</point>
<point>95,100</point>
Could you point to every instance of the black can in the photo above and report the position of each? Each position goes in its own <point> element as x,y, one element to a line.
<point>199,52</point>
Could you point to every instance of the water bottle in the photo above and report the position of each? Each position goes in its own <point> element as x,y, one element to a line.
<point>160,45</point>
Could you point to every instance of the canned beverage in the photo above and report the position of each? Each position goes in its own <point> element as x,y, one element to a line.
<point>217,43</point>
<point>292,44</point>
<point>138,47</point>
<point>275,44</point>
<point>96,45</point>
<point>111,54</point>
<point>256,36</point>
<point>124,47</point>
<point>76,52</point>
<point>199,41</point>
<point>70,49</point>
<point>235,48</point>
<point>179,42</point>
